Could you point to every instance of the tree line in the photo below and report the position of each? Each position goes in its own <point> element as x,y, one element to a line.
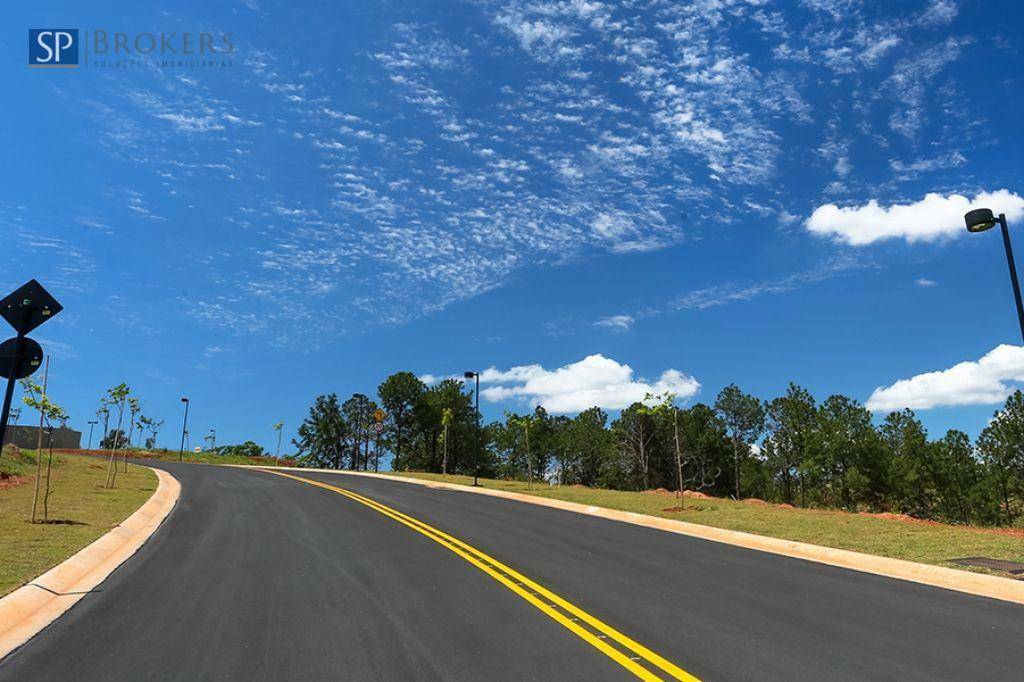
<point>791,449</point>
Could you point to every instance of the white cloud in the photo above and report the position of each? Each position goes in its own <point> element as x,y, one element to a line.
<point>924,282</point>
<point>593,381</point>
<point>983,382</point>
<point>930,219</point>
<point>619,323</point>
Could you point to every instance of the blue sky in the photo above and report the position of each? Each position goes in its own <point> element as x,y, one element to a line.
<point>698,193</point>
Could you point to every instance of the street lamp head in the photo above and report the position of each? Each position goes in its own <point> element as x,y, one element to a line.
<point>979,220</point>
<point>469,375</point>
<point>184,400</point>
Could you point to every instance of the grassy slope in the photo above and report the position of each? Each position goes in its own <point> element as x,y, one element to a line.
<point>78,499</point>
<point>926,543</point>
<point>193,457</point>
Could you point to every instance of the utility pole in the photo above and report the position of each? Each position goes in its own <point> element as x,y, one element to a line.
<point>92,424</point>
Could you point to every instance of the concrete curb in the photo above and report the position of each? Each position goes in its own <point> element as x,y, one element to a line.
<point>30,608</point>
<point>979,584</point>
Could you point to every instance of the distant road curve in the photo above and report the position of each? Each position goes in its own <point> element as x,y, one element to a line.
<point>257,576</point>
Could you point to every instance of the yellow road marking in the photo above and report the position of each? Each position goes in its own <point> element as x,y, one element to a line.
<point>539,596</point>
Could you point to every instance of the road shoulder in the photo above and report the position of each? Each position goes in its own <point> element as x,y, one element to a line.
<point>32,607</point>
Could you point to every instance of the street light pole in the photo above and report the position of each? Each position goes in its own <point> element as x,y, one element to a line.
<point>184,426</point>
<point>277,454</point>
<point>981,219</point>
<point>1013,273</point>
<point>476,395</point>
<point>92,424</point>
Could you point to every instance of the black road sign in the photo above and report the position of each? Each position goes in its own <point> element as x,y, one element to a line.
<point>31,358</point>
<point>41,307</point>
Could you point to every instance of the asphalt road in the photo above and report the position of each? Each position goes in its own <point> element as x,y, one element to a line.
<point>259,577</point>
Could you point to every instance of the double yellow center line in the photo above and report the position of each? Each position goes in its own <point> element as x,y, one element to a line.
<point>631,655</point>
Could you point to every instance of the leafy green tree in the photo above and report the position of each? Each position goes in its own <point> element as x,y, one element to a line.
<point>246,449</point>
<point>522,424</point>
<point>792,419</point>
<point>636,429</point>
<point>847,452</point>
<point>323,435</point>
<point>911,477</point>
<point>114,438</point>
<point>665,411</point>
<point>358,411</point>
<point>464,437</point>
<point>591,448</point>
<point>398,395</point>
<point>446,421</point>
<point>961,495</point>
<point>1002,449</point>
<point>743,416</point>
<point>559,443</point>
<point>704,448</point>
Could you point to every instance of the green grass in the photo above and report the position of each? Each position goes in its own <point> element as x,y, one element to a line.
<point>922,542</point>
<point>80,511</point>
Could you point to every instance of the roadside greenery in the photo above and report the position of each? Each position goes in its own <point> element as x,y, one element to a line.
<point>86,510</point>
<point>790,449</point>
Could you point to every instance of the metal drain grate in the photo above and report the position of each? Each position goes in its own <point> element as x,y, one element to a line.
<point>1012,567</point>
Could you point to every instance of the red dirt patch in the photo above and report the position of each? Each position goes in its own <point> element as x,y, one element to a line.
<point>13,482</point>
<point>696,494</point>
<point>658,491</point>
<point>890,516</point>
<point>755,501</point>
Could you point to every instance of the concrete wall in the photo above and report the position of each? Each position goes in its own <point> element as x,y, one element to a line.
<point>27,437</point>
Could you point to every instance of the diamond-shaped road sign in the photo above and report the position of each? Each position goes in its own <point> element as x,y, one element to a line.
<point>29,306</point>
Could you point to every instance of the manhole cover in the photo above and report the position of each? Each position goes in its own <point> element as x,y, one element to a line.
<point>1013,567</point>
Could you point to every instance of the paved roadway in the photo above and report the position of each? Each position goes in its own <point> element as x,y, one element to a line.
<point>259,577</point>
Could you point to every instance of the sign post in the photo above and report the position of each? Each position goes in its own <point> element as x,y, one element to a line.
<point>25,308</point>
<point>378,427</point>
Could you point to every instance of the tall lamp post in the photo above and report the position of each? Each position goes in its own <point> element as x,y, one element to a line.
<point>476,395</point>
<point>980,220</point>
<point>92,424</point>
<point>184,426</point>
<point>213,439</point>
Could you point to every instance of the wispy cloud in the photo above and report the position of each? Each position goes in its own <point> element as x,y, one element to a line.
<point>623,130</point>
<point>712,297</point>
<point>619,323</point>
